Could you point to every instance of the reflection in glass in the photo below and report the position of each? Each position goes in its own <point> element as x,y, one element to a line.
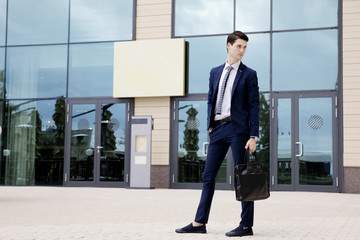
<point>199,17</point>
<point>82,142</point>
<point>284,133</point>
<point>2,22</point>
<point>198,68</point>
<point>36,72</point>
<point>112,155</point>
<point>34,142</point>
<point>252,16</point>
<point>192,134</point>
<point>101,20</point>
<point>315,128</point>
<point>2,72</point>
<point>306,60</point>
<point>46,22</point>
<point>263,143</point>
<point>91,70</point>
<point>295,14</point>
<point>257,57</point>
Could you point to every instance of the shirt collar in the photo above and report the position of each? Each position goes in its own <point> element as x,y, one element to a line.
<point>235,65</point>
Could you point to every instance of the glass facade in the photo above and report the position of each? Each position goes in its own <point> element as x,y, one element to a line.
<point>46,23</point>
<point>36,71</point>
<point>292,61</point>
<point>101,20</point>
<point>91,70</point>
<point>294,14</point>
<point>2,22</point>
<point>55,51</point>
<point>198,17</point>
<point>294,48</point>
<point>34,148</point>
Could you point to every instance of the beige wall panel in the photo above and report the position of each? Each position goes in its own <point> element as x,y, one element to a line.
<point>351,85</point>
<point>161,135</point>
<point>152,102</point>
<point>157,20</point>
<point>351,54</point>
<point>160,159</point>
<point>351,147</point>
<point>158,112</point>
<point>351,92</point>
<point>352,134</point>
<point>147,30</point>
<point>351,47</point>
<point>150,2</point>
<point>351,123</point>
<point>160,147</point>
<point>157,35</point>
<point>350,19</point>
<point>353,105</point>
<point>161,123</point>
<point>351,162</point>
<point>351,28</point>
<point>352,60</point>
<point>151,10</point>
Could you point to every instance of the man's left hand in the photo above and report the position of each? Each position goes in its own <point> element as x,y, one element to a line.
<point>251,145</point>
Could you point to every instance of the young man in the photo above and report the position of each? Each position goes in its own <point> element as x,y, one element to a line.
<point>233,121</point>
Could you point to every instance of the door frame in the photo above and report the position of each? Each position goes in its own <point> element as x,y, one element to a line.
<point>174,117</point>
<point>97,102</point>
<point>337,167</point>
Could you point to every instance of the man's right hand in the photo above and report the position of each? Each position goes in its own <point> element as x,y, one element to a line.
<point>210,130</point>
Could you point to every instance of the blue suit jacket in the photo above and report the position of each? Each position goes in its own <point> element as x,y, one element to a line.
<point>244,100</point>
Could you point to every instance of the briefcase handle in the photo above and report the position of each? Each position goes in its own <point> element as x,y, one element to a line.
<point>247,157</point>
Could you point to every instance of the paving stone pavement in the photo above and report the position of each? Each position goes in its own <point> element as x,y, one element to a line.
<point>49,213</point>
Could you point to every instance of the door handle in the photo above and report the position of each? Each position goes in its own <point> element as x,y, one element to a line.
<point>98,148</point>
<point>204,147</point>
<point>301,149</point>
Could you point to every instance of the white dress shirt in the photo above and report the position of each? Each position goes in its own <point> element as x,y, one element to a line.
<point>226,104</point>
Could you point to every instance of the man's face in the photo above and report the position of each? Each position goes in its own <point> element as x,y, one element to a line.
<point>237,50</point>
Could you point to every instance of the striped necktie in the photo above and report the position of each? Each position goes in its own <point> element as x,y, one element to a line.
<point>222,90</point>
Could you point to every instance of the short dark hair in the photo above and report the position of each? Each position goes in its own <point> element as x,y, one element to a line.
<point>236,35</point>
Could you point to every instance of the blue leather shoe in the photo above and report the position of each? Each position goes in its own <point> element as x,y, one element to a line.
<point>239,232</point>
<point>191,229</point>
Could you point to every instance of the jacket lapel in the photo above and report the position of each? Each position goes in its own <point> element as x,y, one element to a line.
<point>237,77</point>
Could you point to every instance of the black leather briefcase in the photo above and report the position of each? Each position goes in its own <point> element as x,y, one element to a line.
<point>251,180</point>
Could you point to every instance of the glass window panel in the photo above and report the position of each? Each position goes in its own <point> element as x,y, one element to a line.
<point>315,134</point>
<point>305,60</point>
<point>284,134</point>
<point>101,20</point>
<point>295,14</point>
<point>46,22</point>
<point>263,143</point>
<point>192,134</point>
<point>2,22</point>
<point>82,142</point>
<point>91,70</point>
<point>2,68</point>
<point>201,60</point>
<point>36,72</point>
<point>198,17</point>
<point>34,142</point>
<point>112,155</point>
<point>257,57</point>
<point>252,16</point>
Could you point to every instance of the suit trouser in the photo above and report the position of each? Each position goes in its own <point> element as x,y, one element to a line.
<point>221,138</point>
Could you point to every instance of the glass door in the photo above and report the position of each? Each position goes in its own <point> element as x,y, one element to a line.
<point>305,142</point>
<point>96,143</point>
<point>189,145</point>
